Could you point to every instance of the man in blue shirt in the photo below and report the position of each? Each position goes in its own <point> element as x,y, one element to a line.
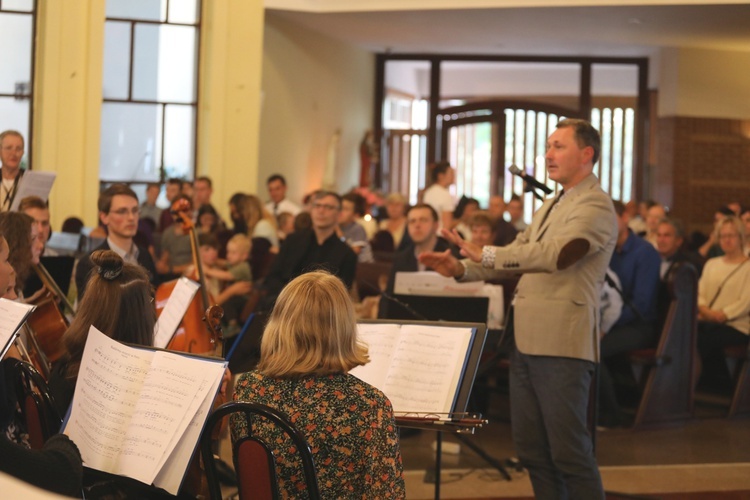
<point>636,263</point>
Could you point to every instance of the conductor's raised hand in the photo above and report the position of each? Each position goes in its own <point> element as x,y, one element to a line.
<point>442,262</point>
<point>468,249</point>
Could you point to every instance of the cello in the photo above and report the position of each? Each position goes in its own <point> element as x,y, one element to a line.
<point>193,335</point>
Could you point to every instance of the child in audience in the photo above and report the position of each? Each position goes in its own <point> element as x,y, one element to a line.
<point>237,275</point>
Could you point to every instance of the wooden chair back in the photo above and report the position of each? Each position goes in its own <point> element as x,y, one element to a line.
<point>253,459</point>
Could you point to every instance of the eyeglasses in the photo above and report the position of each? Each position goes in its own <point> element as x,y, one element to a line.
<point>324,206</point>
<point>17,149</point>
<point>125,211</point>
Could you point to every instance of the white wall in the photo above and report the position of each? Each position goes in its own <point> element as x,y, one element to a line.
<point>313,86</point>
<point>705,83</point>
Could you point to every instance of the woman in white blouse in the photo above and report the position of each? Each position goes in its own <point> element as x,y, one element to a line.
<point>724,300</point>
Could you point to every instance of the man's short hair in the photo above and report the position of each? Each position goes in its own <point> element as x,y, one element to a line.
<point>32,202</point>
<point>105,197</point>
<point>206,179</point>
<point>322,193</point>
<point>586,135</point>
<point>425,206</point>
<point>679,229</point>
<point>153,185</point>
<point>276,177</point>
<point>6,133</point>
<point>175,180</point>
<point>482,218</point>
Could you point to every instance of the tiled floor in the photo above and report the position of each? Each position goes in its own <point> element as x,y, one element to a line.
<point>708,453</point>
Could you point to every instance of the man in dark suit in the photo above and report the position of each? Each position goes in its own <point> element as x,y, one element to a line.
<point>311,249</point>
<point>422,226</point>
<point>118,210</point>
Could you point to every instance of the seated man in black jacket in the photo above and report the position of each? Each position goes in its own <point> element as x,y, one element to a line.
<point>312,249</point>
<point>422,225</point>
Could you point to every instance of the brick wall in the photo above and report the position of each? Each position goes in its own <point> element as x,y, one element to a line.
<point>703,163</point>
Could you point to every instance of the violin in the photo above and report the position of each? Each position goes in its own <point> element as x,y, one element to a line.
<point>47,323</point>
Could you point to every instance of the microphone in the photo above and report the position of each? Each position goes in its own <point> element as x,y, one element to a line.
<point>513,169</point>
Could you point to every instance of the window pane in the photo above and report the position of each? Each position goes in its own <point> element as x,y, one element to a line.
<point>152,10</point>
<point>116,59</point>
<point>165,62</point>
<point>24,5</point>
<point>183,11</point>
<point>131,141</point>
<point>15,37</point>
<point>14,115</point>
<point>179,134</point>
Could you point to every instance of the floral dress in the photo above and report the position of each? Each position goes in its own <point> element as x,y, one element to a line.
<point>347,423</point>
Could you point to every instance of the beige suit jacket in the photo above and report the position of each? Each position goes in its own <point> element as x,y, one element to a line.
<point>563,261</point>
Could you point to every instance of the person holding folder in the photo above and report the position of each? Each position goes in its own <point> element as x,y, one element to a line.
<point>563,256</point>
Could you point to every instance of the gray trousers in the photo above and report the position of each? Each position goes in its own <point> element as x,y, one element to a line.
<point>549,401</point>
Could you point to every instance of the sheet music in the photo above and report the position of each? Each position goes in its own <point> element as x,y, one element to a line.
<point>173,312</point>
<point>12,316</point>
<point>33,183</point>
<point>109,382</point>
<point>419,367</point>
<point>426,368</point>
<point>381,340</point>
<point>171,394</point>
<point>173,470</point>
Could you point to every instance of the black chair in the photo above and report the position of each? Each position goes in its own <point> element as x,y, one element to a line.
<point>253,459</point>
<point>35,400</point>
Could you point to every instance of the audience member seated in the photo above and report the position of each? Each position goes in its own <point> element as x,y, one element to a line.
<point>515,211</point>
<point>655,213</point>
<point>72,225</point>
<point>422,225</point>
<point>173,190</point>
<point>118,302</point>
<point>350,231</point>
<point>711,247</point>
<point>278,203</point>
<point>465,209</point>
<point>248,213</point>
<point>311,249</point>
<point>480,229</point>
<point>209,221</point>
<point>637,223</point>
<point>504,231</point>
<point>230,282</point>
<point>286,225</point>
<point>723,304</point>
<point>118,210</point>
<point>308,346</point>
<point>176,252</point>
<point>395,224</point>
<point>745,217</point>
<point>149,210</point>
<point>636,264</point>
<point>670,245</point>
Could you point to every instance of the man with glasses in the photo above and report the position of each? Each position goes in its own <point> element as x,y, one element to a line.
<point>316,248</point>
<point>118,211</point>
<point>11,154</point>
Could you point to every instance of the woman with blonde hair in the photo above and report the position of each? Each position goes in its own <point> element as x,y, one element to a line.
<point>254,218</point>
<point>724,301</point>
<point>309,345</point>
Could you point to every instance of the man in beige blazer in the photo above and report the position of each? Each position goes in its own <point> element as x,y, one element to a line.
<point>563,256</point>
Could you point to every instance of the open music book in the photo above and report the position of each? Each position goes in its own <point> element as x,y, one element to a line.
<point>12,316</point>
<point>139,412</point>
<point>421,367</point>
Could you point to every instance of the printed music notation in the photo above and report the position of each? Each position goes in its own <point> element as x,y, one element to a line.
<point>419,367</point>
<point>135,411</point>
<point>12,316</point>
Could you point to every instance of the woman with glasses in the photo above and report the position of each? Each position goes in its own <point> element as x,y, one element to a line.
<point>724,303</point>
